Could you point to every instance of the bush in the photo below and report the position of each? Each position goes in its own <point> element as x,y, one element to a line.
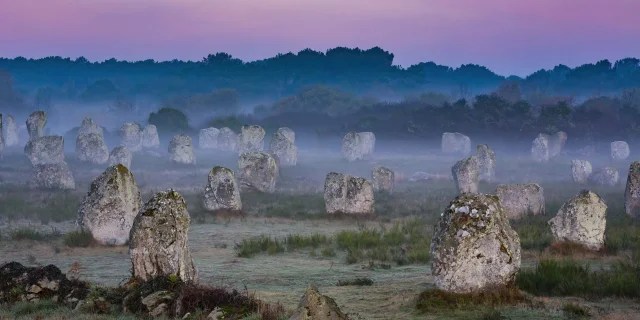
<point>81,238</point>
<point>169,121</point>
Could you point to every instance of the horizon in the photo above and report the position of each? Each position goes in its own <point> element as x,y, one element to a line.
<point>134,31</point>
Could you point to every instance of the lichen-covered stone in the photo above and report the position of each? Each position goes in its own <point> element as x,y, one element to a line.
<point>131,136</point>
<point>108,209</point>
<point>619,150</point>
<point>456,143</point>
<point>120,155</point>
<point>251,139</point>
<point>45,150</point>
<point>315,306</point>
<point>367,143</point>
<point>607,176</point>
<point>473,247</point>
<point>90,147</point>
<point>580,171</point>
<point>10,132</point>
<point>520,200</point>
<point>222,192</point>
<point>258,171</point>
<point>348,195</point>
<point>383,179</point>
<point>284,150</point>
<point>486,163</point>
<point>287,132</point>
<point>351,146</point>
<point>632,191</point>
<point>150,138</point>
<point>35,124</point>
<point>227,140</point>
<point>581,220</point>
<point>208,138</point>
<point>556,143</point>
<point>465,175</point>
<point>89,126</point>
<point>181,150</point>
<point>52,176</point>
<point>158,243</point>
<point>540,148</point>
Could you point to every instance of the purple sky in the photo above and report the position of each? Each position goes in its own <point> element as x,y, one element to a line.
<point>507,36</point>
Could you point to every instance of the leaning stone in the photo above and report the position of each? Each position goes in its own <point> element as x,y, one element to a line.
<point>581,220</point>
<point>456,143</point>
<point>258,171</point>
<point>486,163</point>
<point>158,243</point>
<point>520,200</point>
<point>466,175</point>
<point>108,209</point>
<point>284,150</point>
<point>383,179</point>
<point>131,136</point>
<point>619,150</point>
<point>315,306</point>
<point>251,139</point>
<point>580,170</point>
<point>208,138</point>
<point>181,150</point>
<point>90,147</point>
<point>52,176</point>
<point>10,132</point>
<point>540,148</point>
<point>120,155</point>
<point>606,176</point>
<point>474,248</point>
<point>35,124</point>
<point>150,138</point>
<point>632,191</point>
<point>222,192</point>
<point>348,195</point>
<point>45,150</point>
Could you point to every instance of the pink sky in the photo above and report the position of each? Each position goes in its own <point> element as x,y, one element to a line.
<point>507,36</point>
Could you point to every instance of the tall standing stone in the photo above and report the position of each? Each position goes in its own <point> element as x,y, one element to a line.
<point>110,206</point>
<point>131,136</point>
<point>465,175</point>
<point>284,149</point>
<point>150,138</point>
<point>474,248</point>
<point>208,138</point>
<point>159,243</point>
<point>348,195</point>
<point>581,220</point>
<point>1,138</point>
<point>619,150</point>
<point>181,150</point>
<point>540,148</point>
<point>486,163</point>
<point>258,171</point>
<point>90,147</point>
<point>120,155</point>
<point>556,143</point>
<point>89,126</point>
<point>287,132</point>
<point>222,192</point>
<point>227,140</point>
<point>45,150</point>
<point>251,139</point>
<point>520,200</point>
<point>580,171</point>
<point>456,143</point>
<point>383,179</point>
<point>35,124</point>
<point>632,191</point>
<point>10,132</point>
<point>367,143</point>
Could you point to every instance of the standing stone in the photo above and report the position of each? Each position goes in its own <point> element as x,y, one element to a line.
<point>316,306</point>
<point>632,191</point>
<point>251,139</point>
<point>352,146</point>
<point>540,148</point>
<point>287,132</point>
<point>10,132</point>
<point>89,126</point>
<point>1,138</point>
<point>181,150</point>
<point>284,150</point>
<point>473,247</point>
<point>619,150</point>
<point>580,170</point>
<point>108,209</point>
<point>383,179</point>
<point>208,138</point>
<point>581,220</point>
<point>52,176</point>
<point>90,147</point>
<point>131,136</point>
<point>150,138</point>
<point>159,242</point>
<point>520,200</point>
<point>45,150</point>
<point>466,175</point>
<point>367,143</point>
<point>456,143</point>
<point>606,176</point>
<point>120,155</point>
<point>556,143</point>
<point>227,140</point>
<point>486,163</point>
<point>349,195</point>
<point>35,124</point>
<point>258,171</point>
<point>222,192</point>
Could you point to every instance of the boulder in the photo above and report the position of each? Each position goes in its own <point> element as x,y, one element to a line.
<point>227,140</point>
<point>632,191</point>
<point>606,176</point>
<point>619,150</point>
<point>181,150</point>
<point>158,243</point>
<point>258,171</point>
<point>90,147</point>
<point>367,143</point>
<point>89,126</point>
<point>474,248</point>
<point>486,163</point>
<point>349,195</point>
<point>456,143</point>
<point>52,176</point>
<point>466,175</point>
<point>287,132</point>
<point>284,150</point>
<point>10,132</point>
<point>208,138</point>
<point>150,138</point>
<point>520,200</point>
<point>35,124</point>
<point>352,146</point>
<point>108,209</point>
<point>556,143</point>
<point>315,306</point>
<point>131,136</point>
<point>45,150</point>
<point>383,179</point>
<point>581,220</point>
<point>120,155</point>
<point>251,139</point>
<point>222,192</point>
<point>540,148</point>
<point>580,171</point>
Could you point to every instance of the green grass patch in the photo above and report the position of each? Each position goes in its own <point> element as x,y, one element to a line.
<point>355,282</point>
<point>33,234</point>
<point>434,300</point>
<point>79,238</point>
